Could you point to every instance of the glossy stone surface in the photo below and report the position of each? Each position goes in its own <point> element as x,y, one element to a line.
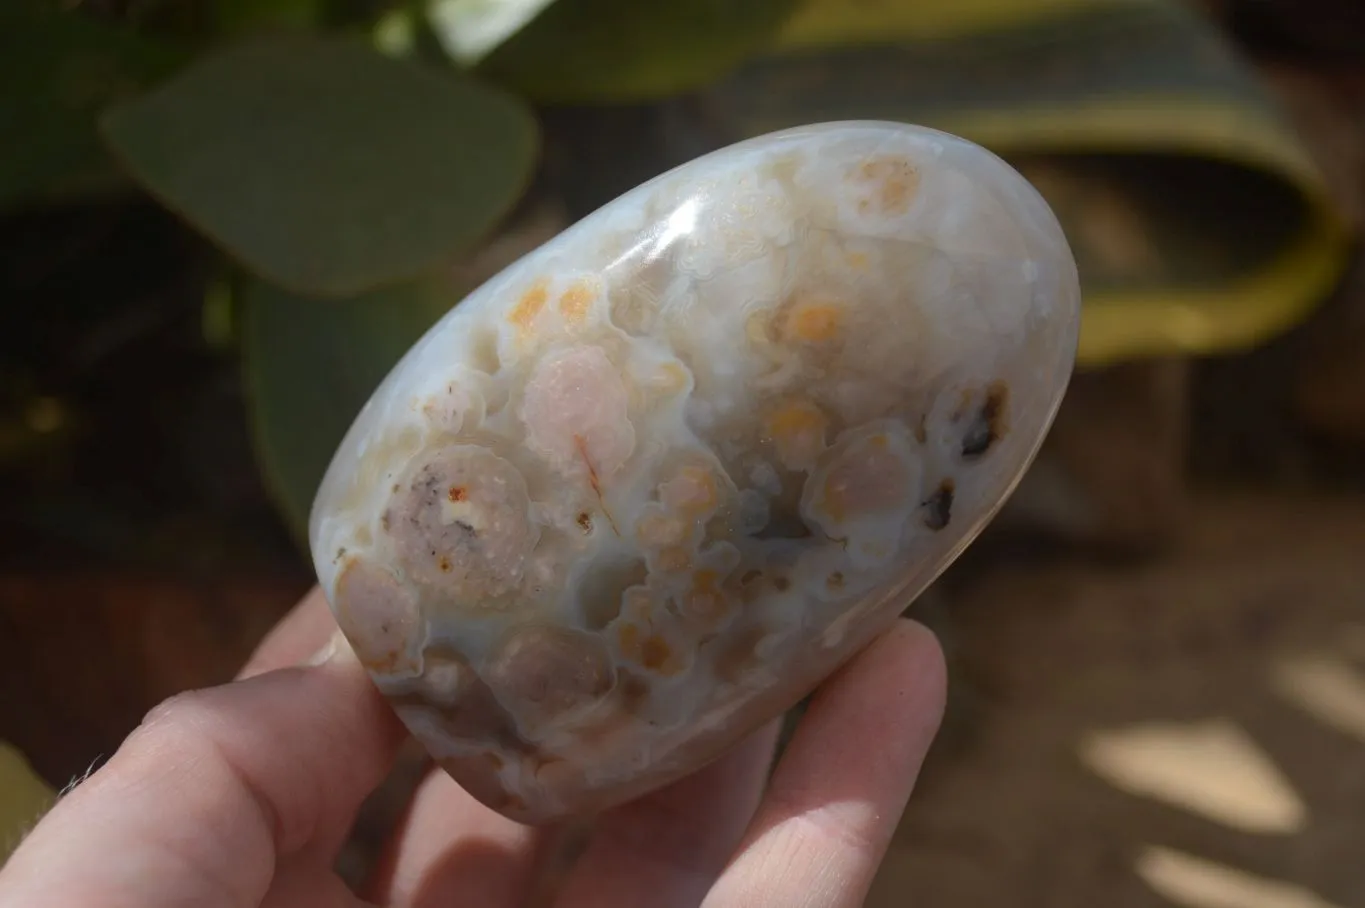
<point>648,486</point>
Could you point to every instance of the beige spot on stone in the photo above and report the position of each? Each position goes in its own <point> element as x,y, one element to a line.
<point>648,650</point>
<point>543,672</point>
<point>576,301</point>
<point>756,329</point>
<point>705,603</point>
<point>658,531</point>
<point>894,181</point>
<point>867,479</point>
<point>797,428</point>
<point>523,314</point>
<point>576,413</point>
<point>692,491</point>
<point>674,559</point>
<point>814,323</point>
<point>670,379</point>
<point>459,521</point>
<point>379,615</point>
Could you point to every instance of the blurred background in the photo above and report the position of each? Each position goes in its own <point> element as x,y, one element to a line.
<point>221,221</point>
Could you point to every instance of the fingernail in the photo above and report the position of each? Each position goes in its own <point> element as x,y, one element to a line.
<point>335,646</point>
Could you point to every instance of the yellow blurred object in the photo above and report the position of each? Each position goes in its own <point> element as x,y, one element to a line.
<point>1199,220</point>
<point>1267,298</point>
<point>821,23</point>
<point>24,798</point>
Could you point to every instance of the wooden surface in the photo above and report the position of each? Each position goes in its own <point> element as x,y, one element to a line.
<point>84,655</point>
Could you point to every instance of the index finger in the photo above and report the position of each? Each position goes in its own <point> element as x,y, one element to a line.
<point>211,791</point>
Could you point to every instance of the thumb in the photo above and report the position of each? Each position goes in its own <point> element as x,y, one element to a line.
<point>211,791</point>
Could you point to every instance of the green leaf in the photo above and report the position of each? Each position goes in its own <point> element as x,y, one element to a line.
<point>57,71</point>
<point>240,16</point>
<point>310,368</point>
<point>632,50</point>
<point>325,166</point>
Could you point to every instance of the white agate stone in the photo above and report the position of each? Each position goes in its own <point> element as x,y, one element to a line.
<point>647,487</point>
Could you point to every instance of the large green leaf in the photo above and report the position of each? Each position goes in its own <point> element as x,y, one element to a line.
<point>325,166</point>
<point>310,368</point>
<point>58,69</point>
<point>632,50</point>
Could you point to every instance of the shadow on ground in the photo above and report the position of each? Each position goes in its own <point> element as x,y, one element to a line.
<point>1184,733</point>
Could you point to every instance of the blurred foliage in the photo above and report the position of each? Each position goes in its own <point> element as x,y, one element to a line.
<point>57,72</point>
<point>628,50</point>
<point>338,158</point>
<point>323,166</point>
<point>331,168</point>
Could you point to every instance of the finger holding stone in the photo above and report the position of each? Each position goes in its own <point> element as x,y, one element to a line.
<point>843,782</point>
<point>212,792</point>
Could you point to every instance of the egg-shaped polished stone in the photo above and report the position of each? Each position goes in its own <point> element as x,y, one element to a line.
<point>647,487</point>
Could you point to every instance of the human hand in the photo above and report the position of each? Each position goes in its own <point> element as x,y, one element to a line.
<point>241,796</point>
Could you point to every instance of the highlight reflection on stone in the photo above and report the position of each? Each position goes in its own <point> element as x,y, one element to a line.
<point>647,487</point>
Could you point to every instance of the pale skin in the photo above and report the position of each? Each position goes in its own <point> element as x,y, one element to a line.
<point>240,796</point>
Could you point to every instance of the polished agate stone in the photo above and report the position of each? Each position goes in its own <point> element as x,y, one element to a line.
<point>648,486</point>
